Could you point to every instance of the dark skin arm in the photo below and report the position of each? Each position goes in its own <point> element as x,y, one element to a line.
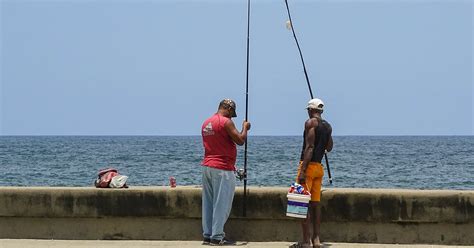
<point>310,130</point>
<point>238,138</point>
<point>329,145</point>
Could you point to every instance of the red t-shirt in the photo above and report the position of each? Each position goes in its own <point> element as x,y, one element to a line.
<point>220,151</point>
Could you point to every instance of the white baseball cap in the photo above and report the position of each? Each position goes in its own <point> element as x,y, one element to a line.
<point>315,103</point>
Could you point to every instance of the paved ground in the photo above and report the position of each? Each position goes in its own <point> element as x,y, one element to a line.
<point>31,243</point>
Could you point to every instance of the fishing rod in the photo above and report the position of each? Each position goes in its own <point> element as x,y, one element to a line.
<point>290,26</point>
<point>244,209</point>
<point>327,165</point>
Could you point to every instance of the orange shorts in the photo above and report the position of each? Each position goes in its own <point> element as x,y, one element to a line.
<point>314,178</point>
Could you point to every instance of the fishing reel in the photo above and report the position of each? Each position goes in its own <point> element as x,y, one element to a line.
<point>240,174</point>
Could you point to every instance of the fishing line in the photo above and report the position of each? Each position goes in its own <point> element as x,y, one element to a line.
<point>289,25</point>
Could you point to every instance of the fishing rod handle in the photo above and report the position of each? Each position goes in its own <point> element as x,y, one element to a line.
<point>327,166</point>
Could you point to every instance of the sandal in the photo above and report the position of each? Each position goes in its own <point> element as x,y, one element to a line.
<point>300,245</point>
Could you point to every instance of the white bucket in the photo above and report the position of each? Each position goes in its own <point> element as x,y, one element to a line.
<point>297,205</point>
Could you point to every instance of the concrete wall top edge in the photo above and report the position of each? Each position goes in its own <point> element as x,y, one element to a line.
<point>254,188</point>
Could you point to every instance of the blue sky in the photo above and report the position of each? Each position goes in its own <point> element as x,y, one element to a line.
<point>161,67</point>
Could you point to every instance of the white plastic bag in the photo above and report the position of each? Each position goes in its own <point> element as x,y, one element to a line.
<point>118,181</point>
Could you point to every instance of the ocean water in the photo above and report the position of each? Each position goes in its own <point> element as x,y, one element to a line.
<point>417,162</point>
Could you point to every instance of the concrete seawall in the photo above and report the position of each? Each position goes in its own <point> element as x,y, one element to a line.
<point>349,215</point>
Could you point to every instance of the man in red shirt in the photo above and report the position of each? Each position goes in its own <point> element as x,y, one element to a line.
<point>219,136</point>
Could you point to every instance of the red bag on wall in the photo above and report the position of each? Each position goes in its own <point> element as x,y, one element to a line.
<point>104,177</point>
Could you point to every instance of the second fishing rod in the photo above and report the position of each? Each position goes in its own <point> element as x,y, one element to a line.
<point>290,26</point>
